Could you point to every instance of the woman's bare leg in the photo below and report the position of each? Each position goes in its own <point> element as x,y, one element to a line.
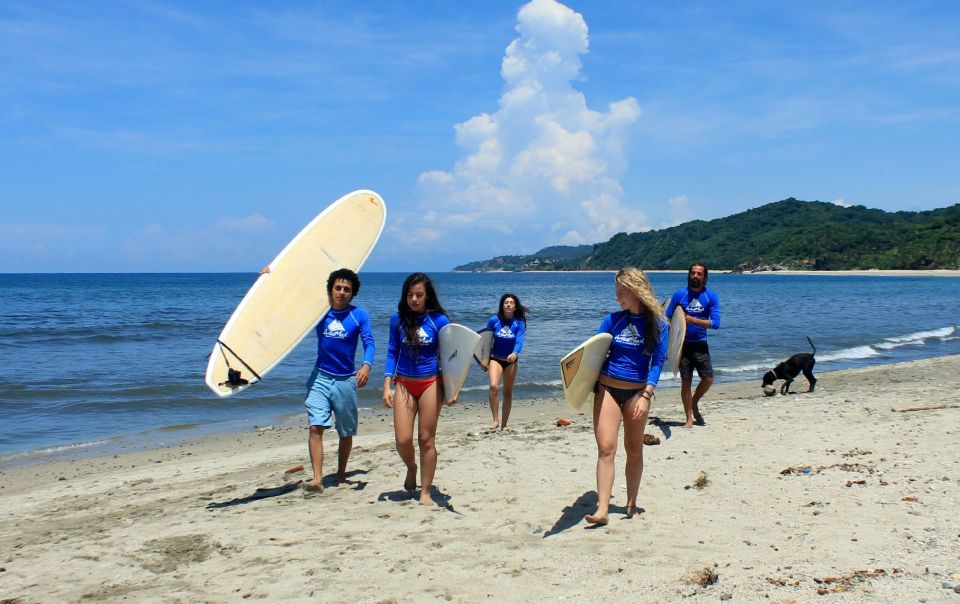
<point>493,373</point>
<point>404,414</point>
<point>633,443</point>
<point>509,377</point>
<point>606,426</point>
<point>429,406</point>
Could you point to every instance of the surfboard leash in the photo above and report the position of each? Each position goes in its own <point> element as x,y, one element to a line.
<point>233,376</point>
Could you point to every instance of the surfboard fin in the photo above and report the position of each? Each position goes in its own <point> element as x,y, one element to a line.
<point>234,378</point>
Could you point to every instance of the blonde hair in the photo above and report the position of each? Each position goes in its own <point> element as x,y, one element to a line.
<point>636,281</point>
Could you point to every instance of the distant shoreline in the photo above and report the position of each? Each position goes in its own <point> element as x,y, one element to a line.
<point>851,273</point>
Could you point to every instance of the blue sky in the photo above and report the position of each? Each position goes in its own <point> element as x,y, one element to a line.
<point>201,136</point>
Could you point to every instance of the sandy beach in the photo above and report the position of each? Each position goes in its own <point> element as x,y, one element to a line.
<point>847,494</point>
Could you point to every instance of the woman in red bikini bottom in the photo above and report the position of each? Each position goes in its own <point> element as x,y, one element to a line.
<point>411,385</point>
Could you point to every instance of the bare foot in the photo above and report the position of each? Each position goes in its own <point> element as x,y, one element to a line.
<point>426,500</point>
<point>493,426</point>
<point>596,520</point>
<point>698,419</point>
<point>632,511</point>
<point>313,486</point>
<point>342,478</point>
<point>410,483</point>
<point>689,424</point>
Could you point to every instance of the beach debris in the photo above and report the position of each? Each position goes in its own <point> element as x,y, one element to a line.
<point>650,440</point>
<point>704,577</point>
<point>846,467</point>
<point>293,470</point>
<point>856,452</point>
<point>701,480</point>
<point>850,483</point>
<point>563,422</point>
<point>783,582</point>
<point>909,498</point>
<point>844,583</point>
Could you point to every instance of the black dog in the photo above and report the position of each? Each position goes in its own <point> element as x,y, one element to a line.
<point>791,368</point>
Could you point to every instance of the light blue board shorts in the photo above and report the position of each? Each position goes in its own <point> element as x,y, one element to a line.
<point>332,395</point>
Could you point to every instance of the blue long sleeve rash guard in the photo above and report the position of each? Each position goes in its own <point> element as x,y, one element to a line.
<point>627,359</point>
<point>704,304</point>
<point>403,358</point>
<point>507,337</point>
<point>337,335</point>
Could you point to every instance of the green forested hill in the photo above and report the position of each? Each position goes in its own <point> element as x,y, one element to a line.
<point>788,234</point>
<point>544,260</point>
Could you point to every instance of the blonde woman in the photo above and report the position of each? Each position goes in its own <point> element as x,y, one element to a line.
<point>627,382</point>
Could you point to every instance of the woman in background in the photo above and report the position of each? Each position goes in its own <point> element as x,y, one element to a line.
<point>509,326</point>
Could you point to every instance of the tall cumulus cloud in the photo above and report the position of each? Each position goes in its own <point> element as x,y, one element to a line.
<point>544,165</point>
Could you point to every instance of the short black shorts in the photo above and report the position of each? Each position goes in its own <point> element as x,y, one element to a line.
<point>696,355</point>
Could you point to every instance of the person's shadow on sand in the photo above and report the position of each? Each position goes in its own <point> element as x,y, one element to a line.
<point>665,427</point>
<point>257,495</point>
<point>440,498</point>
<point>330,480</point>
<point>573,514</point>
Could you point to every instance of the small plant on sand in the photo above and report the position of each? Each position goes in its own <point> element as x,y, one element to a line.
<point>701,480</point>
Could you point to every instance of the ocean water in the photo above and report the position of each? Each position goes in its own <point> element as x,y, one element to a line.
<point>88,360</point>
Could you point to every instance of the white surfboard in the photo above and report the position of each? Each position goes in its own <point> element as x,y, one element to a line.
<point>482,355</point>
<point>284,305</point>
<point>678,331</point>
<point>580,369</point>
<point>457,347</point>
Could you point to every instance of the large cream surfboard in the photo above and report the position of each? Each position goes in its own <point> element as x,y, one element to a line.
<point>580,369</point>
<point>482,355</point>
<point>284,305</point>
<point>678,331</point>
<point>457,346</point>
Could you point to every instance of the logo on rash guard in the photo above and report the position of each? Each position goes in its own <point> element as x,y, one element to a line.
<point>421,336</point>
<point>694,306</point>
<point>505,332</point>
<point>629,336</point>
<point>335,330</point>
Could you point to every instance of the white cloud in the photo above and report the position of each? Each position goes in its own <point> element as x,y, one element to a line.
<point>840,201</point>
<point>680,212</point>
<point>543,165</point>
<point>255,223</point>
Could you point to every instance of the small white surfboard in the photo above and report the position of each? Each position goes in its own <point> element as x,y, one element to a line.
<point>482,355</point>
<point>284,305</point>
<point>457,345</point>
<point>580,369</point>
<point>678,331</point>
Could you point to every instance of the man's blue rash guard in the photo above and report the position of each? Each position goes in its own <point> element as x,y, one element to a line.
<point>507,337</point>
<point>704,304</point>
<point>337,335</point>
<point>627,359</point>
<point>403,358</point>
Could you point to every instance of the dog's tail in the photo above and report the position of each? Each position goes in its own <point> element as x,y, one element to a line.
<point>812,346</point>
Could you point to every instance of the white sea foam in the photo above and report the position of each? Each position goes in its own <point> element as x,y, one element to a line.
<point>56,450</point>
<point>850,354</point>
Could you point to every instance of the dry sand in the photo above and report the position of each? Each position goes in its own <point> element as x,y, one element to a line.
<point>874,517</point>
